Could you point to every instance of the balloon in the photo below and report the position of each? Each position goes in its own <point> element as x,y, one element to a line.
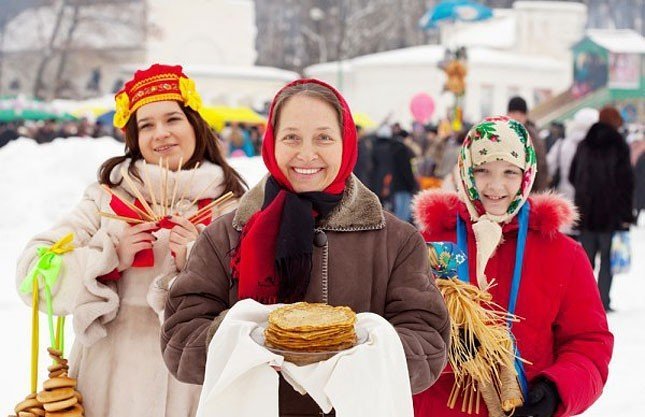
<point>422,107</point>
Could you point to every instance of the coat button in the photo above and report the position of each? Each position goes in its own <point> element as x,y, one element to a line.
<point>320,238</point>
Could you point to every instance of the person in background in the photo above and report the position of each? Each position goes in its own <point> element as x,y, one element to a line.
<point>561,154</point>
<point>364,168</point>
<point>555,133</point>
<point>638,162</point>
<point>239,142</point>
<point>8,132</point>
<point>256,139</point>
<point>603,179</point>
<point>518,110</point>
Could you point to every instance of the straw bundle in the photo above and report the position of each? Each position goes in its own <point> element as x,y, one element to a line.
<point>481,351</point>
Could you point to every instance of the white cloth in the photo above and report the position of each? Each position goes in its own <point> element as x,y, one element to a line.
<point>370,379</point>
<point>238,369</point>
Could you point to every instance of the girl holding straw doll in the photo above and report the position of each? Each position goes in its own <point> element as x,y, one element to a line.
<point>529,333</point>
<point>133,231</point>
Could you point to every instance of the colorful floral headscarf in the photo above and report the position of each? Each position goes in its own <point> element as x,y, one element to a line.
<point>494,139</point>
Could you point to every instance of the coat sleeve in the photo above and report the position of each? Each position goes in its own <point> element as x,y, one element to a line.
<point>196,298</point>
<point>574,167</point>
<point>625,181</point>
<point>582,342</point>
<point>77,291</point>
<point>542,176</point>
<point>417,311</point>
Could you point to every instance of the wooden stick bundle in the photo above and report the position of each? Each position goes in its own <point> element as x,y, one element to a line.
<point>222,199</point>
<point>125,219</point>
<point>137,193</point>
<point>126,202</point>
<point>146,178</point>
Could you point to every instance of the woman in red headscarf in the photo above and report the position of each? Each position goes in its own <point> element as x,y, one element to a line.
<point>310,231</point>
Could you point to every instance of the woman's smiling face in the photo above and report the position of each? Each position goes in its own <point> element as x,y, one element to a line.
<point>309,143</point>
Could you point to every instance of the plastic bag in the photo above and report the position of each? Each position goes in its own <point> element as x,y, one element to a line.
<point>621,253</point>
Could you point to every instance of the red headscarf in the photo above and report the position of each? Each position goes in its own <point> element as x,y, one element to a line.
<point>350,147</point>
<point>273,259</point>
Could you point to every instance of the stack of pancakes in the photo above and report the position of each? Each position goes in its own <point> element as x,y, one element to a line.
<point>309,328</point>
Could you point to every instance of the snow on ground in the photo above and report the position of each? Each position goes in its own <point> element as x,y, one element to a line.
<point>40,183</point>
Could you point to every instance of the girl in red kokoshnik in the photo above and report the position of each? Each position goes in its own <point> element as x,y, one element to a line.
<point>563,328</point>
<point>116,281</point>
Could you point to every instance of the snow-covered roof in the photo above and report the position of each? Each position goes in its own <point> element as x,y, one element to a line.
<point>624,41</point>
<point>231,71</point>
<point>552,5</point>
<point>328,67</point>
<point>497,32</point>
<point>488,56</point>
<point>433,54</point>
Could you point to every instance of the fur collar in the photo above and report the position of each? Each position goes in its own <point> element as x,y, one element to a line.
<point>359,209</point>
<point>435,211</point>
<point>207,181</point>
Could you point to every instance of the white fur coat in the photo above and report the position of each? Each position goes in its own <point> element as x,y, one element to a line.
<point>116,355</point>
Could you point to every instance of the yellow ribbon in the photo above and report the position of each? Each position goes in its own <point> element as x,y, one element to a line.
<point>34,339</point>
<point>47,267</point>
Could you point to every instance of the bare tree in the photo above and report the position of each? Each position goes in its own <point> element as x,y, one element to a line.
<point>79,28</point>
<point>62,61</point>
<point>8,10</point>
<point>49,51</point>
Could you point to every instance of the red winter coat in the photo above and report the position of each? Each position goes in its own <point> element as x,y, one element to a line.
<point>563,331</point>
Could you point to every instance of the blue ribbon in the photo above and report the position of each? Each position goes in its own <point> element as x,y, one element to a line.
<point>464,275</point>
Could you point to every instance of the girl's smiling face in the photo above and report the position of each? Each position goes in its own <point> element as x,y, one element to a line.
<point>165,132</point>
<point>498,182</point>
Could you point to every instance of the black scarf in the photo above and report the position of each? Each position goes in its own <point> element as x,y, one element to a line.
<point>294,245</point>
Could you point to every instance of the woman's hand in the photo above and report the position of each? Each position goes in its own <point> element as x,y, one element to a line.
<point>180,236</point>
<point>132,240</point>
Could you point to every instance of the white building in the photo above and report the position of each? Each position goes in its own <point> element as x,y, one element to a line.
<point>523,50</point>
<point>214,40</point>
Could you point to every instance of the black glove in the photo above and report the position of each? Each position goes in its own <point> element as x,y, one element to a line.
<point>542,401</point>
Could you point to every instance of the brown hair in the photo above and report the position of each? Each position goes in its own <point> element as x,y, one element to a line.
<point>611,116</point>
<point>206,148</point>
<point>312,90</point>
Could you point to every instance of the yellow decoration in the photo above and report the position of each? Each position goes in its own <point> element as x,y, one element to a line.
<point>189,93</point>
<point>122,113</point>
<point>363,120</point>
<point>456,73</point>
<point>217,116</point>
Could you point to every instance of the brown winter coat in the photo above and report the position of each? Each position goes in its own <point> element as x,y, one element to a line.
<point>363,258</point>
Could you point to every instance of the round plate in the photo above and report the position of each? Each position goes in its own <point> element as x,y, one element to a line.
<point>304,358</point>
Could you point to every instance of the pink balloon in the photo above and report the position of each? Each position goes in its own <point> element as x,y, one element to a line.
<point>422,107</point>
